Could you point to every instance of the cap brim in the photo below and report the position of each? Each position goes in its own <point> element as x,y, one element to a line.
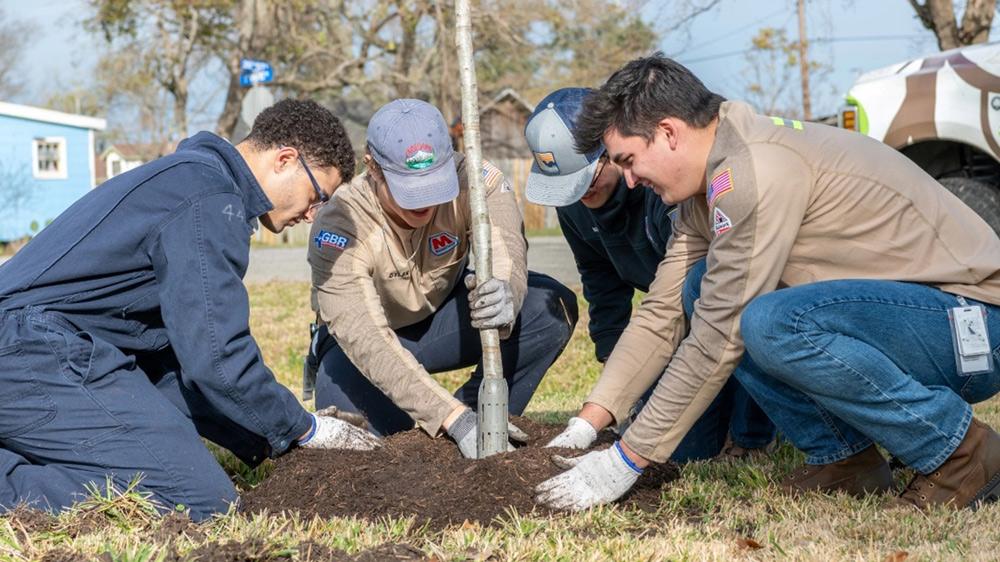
<point>412,191</point>
<point>558,191</point>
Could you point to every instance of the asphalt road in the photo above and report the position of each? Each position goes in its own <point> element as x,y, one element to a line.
<point>547,254</point>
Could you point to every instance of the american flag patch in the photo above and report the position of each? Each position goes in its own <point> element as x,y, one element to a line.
<point>720,185</point>
<point>490,173</point>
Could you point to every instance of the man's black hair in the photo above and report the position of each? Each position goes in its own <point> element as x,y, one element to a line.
<point>641,94</point>
<point>309,128</point>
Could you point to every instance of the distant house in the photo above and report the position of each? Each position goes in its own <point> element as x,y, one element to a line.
<point>121,157</point>
<point>501,128</point>
<point>47,162</point>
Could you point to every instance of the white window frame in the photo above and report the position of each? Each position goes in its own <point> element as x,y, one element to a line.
<point>45,174</point>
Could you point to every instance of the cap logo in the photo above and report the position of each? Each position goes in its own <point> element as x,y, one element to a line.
<point>419,156</point>
<point>547,162</point>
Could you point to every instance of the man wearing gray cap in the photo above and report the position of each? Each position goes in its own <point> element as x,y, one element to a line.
<point>618,237</point>
<point>389,258</point>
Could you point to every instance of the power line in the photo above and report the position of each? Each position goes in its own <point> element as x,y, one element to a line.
<point>850,39</point>
<point>730,33</point>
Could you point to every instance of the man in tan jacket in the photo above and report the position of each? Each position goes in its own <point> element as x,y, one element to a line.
<point>391,286</point>
<point>855,297</point>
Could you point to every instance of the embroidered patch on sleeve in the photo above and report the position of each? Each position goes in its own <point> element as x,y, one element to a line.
<point>326,239</point>
<point>490,172</point>
<point>720,223</point>
<point>720,185</point>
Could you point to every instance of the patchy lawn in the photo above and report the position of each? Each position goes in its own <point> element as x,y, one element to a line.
<point>715,511</point>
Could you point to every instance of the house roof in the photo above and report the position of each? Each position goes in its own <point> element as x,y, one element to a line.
<point>49,116</point>
<point>513,95</point>
<point>139,151</point>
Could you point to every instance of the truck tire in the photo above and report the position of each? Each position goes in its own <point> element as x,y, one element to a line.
<point>981,197</point>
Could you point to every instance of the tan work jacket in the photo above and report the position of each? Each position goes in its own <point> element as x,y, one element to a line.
<point>371,277</point>
<point>788,203</point>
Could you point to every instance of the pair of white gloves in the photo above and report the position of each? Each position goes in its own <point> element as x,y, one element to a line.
<point>595,478</point>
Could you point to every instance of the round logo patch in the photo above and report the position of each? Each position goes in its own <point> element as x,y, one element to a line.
<point>419,156</point>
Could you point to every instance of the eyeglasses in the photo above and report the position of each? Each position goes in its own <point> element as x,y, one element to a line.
<point>323,197</point>
<point>601,163</point>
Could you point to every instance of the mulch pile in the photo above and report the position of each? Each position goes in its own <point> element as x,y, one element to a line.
<point>414,474</point>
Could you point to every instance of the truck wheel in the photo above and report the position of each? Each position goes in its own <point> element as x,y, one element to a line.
<point>981,197</point>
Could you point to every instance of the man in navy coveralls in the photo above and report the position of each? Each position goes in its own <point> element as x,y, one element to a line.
<point>124,325</point>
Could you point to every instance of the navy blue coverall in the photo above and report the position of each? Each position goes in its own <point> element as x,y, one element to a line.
<point>617,249</point>
<point>124,335</point>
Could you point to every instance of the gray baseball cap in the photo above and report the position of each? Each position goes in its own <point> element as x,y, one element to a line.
<point>560,175</point>
<point>409,140</point>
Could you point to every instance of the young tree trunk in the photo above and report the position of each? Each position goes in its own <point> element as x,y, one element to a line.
<point>492,436</point>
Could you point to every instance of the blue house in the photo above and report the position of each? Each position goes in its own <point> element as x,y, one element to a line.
<point>47,162</point>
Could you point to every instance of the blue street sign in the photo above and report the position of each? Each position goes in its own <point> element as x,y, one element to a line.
<point>255,72</point>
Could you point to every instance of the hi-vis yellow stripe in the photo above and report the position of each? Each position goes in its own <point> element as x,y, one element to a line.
<point>782,122</point>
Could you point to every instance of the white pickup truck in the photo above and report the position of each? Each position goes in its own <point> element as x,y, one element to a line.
<point>943,112</point>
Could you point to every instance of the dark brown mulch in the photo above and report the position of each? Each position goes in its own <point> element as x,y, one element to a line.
<point>173,526</point>
<point>29,521</point>
<point>62,555</point>
<point>416,475</point>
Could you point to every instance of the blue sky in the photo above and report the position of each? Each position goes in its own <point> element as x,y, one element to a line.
<point>62,54</point>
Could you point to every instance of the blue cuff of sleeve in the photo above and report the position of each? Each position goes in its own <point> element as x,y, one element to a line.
<point>312,430</point>
<point>618,447</point>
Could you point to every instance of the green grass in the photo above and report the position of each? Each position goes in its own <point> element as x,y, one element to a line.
<point>720,510</point>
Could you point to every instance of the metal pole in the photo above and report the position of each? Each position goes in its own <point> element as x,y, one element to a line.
<point>492,412</point>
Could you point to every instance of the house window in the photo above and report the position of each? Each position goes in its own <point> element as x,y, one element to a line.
<point>49,158</point>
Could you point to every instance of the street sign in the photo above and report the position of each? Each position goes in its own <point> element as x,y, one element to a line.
<point>257,99</point>
<point>255,72</point>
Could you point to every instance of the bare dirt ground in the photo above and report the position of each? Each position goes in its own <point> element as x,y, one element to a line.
<point>415,475</point>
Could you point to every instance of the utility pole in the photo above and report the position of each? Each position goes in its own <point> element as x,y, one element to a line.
<point>492,436</point>
<point>804,62</point>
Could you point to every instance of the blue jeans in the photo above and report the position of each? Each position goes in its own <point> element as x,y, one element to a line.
<point>839,365</point>
<point>76,410</point>
<point>446,341</point>
<point>733,412</point>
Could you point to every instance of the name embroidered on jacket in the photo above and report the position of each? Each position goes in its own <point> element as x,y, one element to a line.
<point>442,243</point>
<point>330,240</point>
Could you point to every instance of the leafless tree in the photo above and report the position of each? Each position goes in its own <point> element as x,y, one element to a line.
<point>12,42</point>
<point>939,17</point>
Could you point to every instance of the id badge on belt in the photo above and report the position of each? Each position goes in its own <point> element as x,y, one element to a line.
<point>970,338</point>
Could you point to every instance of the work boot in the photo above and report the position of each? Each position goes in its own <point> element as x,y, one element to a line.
<point>863,473</point>
<point>735,452</point>
<point>970,477</point>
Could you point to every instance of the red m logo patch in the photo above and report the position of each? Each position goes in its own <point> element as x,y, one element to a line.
<point>442,243</point>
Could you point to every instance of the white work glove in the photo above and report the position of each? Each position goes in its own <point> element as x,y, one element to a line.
<point>579,434</point>
<point>490,306</point>
<point>464,432</point>
<point>331,433</point>
<point>595,478</point>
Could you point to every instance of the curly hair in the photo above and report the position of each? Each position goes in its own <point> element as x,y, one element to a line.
<point>309,128</point>
<point>638,96</point>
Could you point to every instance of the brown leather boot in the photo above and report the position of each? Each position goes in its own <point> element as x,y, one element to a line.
<point>970,477</point>
<point>864,473</point>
